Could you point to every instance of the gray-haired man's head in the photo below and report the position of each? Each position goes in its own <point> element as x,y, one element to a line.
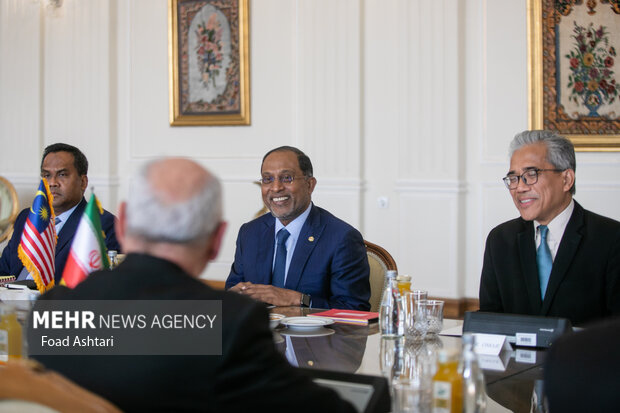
<point>173,200</point>
<point>560,151</point>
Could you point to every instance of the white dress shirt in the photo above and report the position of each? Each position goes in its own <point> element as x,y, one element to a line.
<point>556,229</point>
<point>294,228</point>
<point>64,217</point>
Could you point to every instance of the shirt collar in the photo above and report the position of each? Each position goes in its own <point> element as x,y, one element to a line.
<point>294,227</point>
<point>65,215</point>
<point>559,223</point>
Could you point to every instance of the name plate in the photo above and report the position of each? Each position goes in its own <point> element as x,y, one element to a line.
<point>491,344</point>
<point>496,363</point>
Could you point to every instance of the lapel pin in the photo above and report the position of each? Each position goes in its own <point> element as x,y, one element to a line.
<point>311,239</point>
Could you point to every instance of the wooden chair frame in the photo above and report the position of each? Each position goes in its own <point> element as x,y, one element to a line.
<point>388,262</point>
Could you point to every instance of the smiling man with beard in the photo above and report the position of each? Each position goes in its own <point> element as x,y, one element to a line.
<point>66,169</point>
<point>557,259</point>
<point>300,254</point>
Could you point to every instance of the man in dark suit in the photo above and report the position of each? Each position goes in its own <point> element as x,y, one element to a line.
<point>557,259</point>
<point>66,169</point>
<point>299,254</point>
<point>170,228</point>
<point>581,370</point>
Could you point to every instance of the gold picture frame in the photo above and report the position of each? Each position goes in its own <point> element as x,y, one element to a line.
<point>208,54</point>
<point>9,208</point>
<point>561,66</point>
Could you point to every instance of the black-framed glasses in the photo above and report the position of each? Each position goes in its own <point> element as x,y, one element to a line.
<point>285,179</point>
<point>529,177</point>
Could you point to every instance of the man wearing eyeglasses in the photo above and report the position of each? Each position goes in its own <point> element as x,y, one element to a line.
<point>557,259</point>
<point>300,254</point>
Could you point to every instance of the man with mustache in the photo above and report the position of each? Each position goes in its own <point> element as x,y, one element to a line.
<point>66,169</point>
<point>300,254</point>
<point>557,259</point>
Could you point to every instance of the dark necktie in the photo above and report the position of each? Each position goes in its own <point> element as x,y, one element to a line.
<point>543,260</point>
<point>279,268</point>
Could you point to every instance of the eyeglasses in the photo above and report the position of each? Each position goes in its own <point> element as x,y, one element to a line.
<point>529,177</point>
<point>284,179</point>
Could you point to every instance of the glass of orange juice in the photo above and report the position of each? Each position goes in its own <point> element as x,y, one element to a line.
<point>404,284</point>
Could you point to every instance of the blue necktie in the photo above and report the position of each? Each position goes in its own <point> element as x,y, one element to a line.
<point>279,268</point>
<point>543,260</point>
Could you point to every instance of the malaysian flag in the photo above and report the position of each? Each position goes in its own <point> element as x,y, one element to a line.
<point>38,244</point>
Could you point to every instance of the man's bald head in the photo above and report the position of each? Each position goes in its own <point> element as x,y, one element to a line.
<point>176,179</point>
<point>174,200</point>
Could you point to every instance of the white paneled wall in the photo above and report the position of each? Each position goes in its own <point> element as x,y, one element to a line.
<point>406,108</point>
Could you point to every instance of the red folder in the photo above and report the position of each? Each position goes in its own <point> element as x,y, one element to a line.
<point>347,316</point>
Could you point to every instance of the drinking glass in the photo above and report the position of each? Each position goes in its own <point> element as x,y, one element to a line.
<point>409,396</point>
<point>434,314</point>
<point>420,295</point>
<point>419,321</point>
<point>415,324</point>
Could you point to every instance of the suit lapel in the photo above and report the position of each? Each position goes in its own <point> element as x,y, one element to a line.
<point>566,251</point>
<point>527,255</point>
<point>264,253</point>
<point>308,238</point>
<point>68,229</point>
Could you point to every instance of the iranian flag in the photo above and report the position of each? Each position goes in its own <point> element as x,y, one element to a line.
<point>88,251</point>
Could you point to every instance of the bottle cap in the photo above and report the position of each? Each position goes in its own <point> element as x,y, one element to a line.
<point>6,308</point>
<point>390,274</point>
<point>469,338</point>
<point>445,355</point>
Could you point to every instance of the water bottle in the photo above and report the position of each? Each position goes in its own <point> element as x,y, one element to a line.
<point>112,256</point>
<point>474,395</point>
<point>10,334</point>
<point>389,275</point>
<point>391,315</point>
<point>447,390</point>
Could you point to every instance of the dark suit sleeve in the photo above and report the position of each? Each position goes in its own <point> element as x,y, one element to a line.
<point>236,270</point>
<point>581,370</point>
<point>254,370</point>
<point>613,277</point>
<point>490,299</point>
<point>107,225</point>
<point>349,275</point>
<point>9,262</point>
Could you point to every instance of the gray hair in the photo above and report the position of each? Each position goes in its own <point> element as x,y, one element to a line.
<point>153,219</point>
<point>560,151</point>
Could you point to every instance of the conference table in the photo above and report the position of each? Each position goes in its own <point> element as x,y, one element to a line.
<point>513,379</point>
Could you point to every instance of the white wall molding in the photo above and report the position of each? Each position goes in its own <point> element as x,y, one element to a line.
<point>335,185</point>
<point>410,101</point>
<point>581,186</point>
<point>328,93</point>
<point>22,179</point>
<point>424,186</point>
<point>31,180</point>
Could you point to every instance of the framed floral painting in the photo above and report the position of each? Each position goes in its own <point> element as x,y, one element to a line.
<point>573,70</point>
<point>209,77</point>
